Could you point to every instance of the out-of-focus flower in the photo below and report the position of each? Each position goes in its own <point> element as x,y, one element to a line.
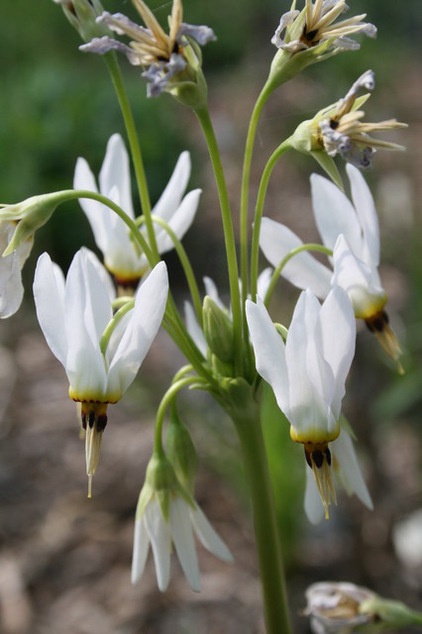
<point>308,373</point>
<point>167,515</point>
<point>121,253</point>
<point>100,353</point>
<point>172,62</point>
<point>339,129</point>
<point>334,608</point>
<point>82,15</point>
<point>316,24</point>
<point>351,231</point>
<point>11,288</point>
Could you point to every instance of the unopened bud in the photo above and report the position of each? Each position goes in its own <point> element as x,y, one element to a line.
<point>218,330</point>
<point>181,452</point>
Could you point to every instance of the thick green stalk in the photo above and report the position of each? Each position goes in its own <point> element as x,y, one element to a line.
<point>233,271</point>
<point>247,421</point>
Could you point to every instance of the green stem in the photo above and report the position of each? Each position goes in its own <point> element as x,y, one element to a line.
<point>244,195</point>
<point>206,124</point>
<point>112,324</point>
<point>259,210</point>
<point>247,421</point>
<point>125,107</point>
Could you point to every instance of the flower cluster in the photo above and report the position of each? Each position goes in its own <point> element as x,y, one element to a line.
<point>101,319</point>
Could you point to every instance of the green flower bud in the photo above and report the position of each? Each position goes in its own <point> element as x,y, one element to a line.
<point>30,215</point>
<point>82,15</point>
<point>181,452</point>
<point>218,330</point>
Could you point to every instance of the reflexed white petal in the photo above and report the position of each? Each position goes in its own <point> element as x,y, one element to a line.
<point>212,290</point>
<point>359,281</point>
<point>303,270</point>
<point>172,195</point>
<point>180,221</point>
<point>347,468</point>
<point>11,288</point>
<point>102,273</point>
<point>96,213</point>
<point>309,376</point>
<point>145,320</point>
<point>269,352</point>
<point>49,289</point>
<point>140,550</point>
<point>337,317</point>
<point>334,214</point>
<point>87,312</point>
<point>160,538</point>
<point>208,537</point>
<point>115,173</point>
<point>314,508</point>
<point>365,209</point>
<point>181,530</point>
<point>194,329</point>
<point>264,280</point>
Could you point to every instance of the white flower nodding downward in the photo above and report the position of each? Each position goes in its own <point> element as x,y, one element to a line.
<point>308,373</point>
<point>121,255</point>
<point>167,515</point>
<point>100,353</point>
<point>350,229</point>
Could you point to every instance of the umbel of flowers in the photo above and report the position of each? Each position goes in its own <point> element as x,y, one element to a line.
<point>101,319</point>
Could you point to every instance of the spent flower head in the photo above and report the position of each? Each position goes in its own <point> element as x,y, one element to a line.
<point>339,129</point>
<point>172,62</point>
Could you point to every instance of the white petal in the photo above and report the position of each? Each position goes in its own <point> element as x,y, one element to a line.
<point>160,537</point>
<point>180,221</point>
<point>337,317</point>
<point>310,378</point>
<point>345,462</point>
<point>140,550</point>
<point>269,352</point>
<point>87,312</point>
<point>181,530</point>
<point>11,288</point>
<point>212,290</point>
<point>303,270</point>
<point>49,289</point>
<point>208,537</point>
<point>145,320</point>
<point>334,214</point>
<point>172,195</point>
<point>102,273</point>
<point>314,508</point>
<point>365,209</point>
<point>194,329</point>
<point>358,280</point>
<point>264,280</point>
<point>115,173</point>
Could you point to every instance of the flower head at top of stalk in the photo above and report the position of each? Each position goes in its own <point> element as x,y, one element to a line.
<point>339,129</point>
<point>313,35</point>
<point>307,374</point>
<point>172,62</point>
<point>316,24</point>
<point>100,352</point>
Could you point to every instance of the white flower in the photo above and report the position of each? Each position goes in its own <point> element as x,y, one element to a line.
<point>74,315</point>
<point>111,234</point>
<point>167,515</point>
<point>308,373</point>
<point>11,288</point>
<point>351,231</point>
<point>335,607</point>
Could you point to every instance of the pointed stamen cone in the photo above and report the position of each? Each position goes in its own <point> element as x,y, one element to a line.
<point>318,458</point>
<point>387,338</point>
<point>94,420</point>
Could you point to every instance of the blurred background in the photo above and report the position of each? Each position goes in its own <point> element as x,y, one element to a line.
<point>65,560</point>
